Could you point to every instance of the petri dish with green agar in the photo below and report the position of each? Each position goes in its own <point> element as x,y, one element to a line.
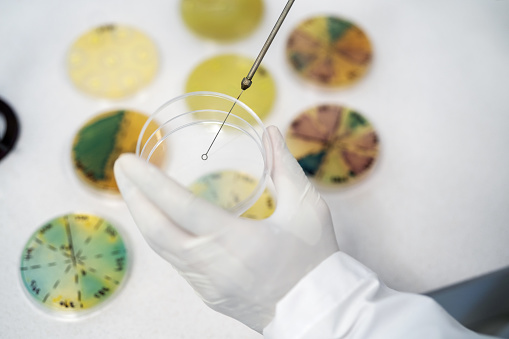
<point>101,140</point>
<point>335,145</point>
<point>223,74</point>
<point>190,127</point>
<point>73,265</point>
<point>222,20</point>
<point>112,61</point>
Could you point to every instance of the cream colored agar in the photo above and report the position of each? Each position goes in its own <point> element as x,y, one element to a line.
<point>112,61</point>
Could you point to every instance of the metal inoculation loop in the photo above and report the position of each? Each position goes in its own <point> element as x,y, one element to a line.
<point>247,81</point>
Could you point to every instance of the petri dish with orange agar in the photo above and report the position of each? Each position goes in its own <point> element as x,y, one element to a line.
<point>335,145</point>
<point>329,51</point>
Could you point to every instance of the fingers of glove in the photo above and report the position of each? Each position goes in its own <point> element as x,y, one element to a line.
<point>300,209</point>
<point>290,182</point>
<point>193,214</point>
<point>161,234</point>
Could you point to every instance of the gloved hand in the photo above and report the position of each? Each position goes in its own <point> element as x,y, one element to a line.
<point>239,267</point>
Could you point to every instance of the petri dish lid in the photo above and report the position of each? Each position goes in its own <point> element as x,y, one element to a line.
<point>190,126</point>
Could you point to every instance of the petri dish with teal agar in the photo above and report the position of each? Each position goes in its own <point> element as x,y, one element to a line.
<point>73,265</point>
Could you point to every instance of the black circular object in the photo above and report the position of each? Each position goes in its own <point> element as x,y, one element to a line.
<point>11,131</point>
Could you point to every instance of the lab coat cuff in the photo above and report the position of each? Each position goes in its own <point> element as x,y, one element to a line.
<point>315,295</point>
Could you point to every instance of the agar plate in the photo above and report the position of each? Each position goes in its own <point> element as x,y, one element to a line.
<point>73,264</point>
<point>329,51</point>
<point>222,20</point>
<point>223,74</point>
<point>102,140</point>
<point>227,188</point>
<point>112,61</point>
<point>335,145</point>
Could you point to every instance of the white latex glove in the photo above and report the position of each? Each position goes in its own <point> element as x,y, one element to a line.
<point>239,267</point>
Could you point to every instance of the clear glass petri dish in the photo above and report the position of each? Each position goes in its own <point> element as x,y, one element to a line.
<point>193,149</point>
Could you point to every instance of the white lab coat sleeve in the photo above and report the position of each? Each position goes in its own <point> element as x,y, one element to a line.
<point>341,298</point>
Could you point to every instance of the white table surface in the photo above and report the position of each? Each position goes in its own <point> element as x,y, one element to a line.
<point>434,212</point>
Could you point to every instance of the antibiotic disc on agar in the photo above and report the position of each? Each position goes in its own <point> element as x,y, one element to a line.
<point>73,264</point>
<point>333,144</point>
<point>102,140</point>
<point>329,51</point>
<point>224,73</point>
<point>222,20</point>
<point>227,188</point>
<point>112,61</point>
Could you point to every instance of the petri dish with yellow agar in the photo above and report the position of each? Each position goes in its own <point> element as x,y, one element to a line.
<point>227,188</point>
<point>197,145</point>
<point>223,74</point>
<point>335,145</point>
<point>73,265</point>
<point>101,140</point>
<point>222,20</point>
<point>112,61</point>
<point>329,51</point>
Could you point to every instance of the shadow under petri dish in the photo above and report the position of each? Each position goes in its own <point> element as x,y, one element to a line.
<point>73,264</point>
<point>102,140</point>
<point>222,20</point>
<point>335,145</point>
<point>112,61</point>
<point>329,51</point>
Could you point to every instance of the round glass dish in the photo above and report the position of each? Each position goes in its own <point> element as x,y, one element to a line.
<point>189,126</point>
